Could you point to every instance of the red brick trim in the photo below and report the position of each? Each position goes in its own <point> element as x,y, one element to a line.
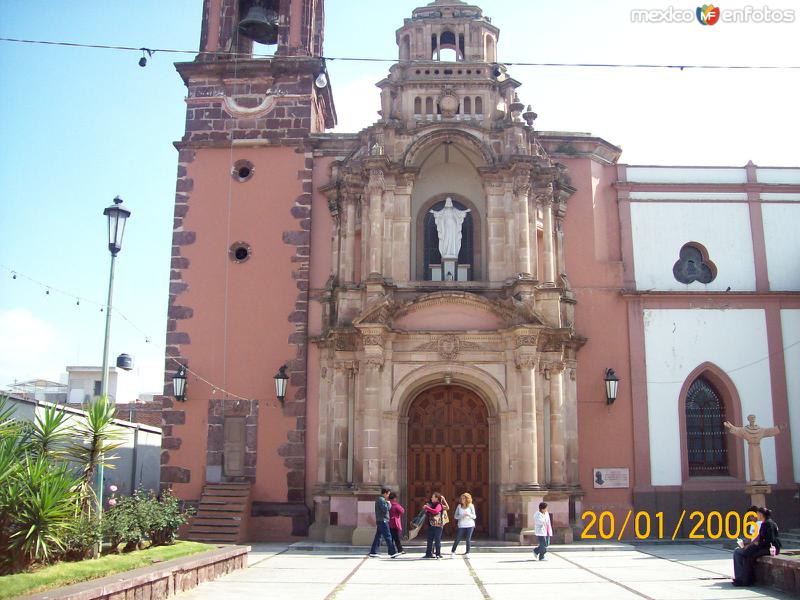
<point>176,340</point>
<point>294,450</point>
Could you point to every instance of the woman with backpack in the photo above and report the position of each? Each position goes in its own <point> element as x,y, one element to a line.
<point>436,509</point>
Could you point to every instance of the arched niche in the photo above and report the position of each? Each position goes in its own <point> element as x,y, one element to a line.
<point>448,166</point>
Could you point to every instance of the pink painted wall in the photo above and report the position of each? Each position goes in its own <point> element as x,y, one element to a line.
<point>261,294</point>
<point>448,318</point>
<point>594,268</point>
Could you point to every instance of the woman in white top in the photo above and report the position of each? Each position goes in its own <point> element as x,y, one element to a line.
<point>465,515</point>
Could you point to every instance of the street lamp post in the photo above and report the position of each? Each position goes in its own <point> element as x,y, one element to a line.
<point>117,214</point>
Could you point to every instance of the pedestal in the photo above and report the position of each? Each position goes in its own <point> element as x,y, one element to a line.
<point>449,272</point>
<point>758,493</point>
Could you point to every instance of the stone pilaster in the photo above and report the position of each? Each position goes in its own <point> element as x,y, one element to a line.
<point>375,189</point>
<point>558,476</point>
<point>526,361</point>
<point>347,263</point>
<point>549,273</point>
<point>522,186</point>
<point>370,409</point>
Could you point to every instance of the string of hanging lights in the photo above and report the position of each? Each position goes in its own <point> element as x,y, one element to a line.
<point>81,300</point>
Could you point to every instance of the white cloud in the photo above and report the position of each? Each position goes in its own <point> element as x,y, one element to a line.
<point>357,104</point>
<point>29,347</point>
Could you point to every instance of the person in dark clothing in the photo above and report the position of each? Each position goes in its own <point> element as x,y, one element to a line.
<point>395,522</point>
<point>382,507</point>
<point>744,558</point>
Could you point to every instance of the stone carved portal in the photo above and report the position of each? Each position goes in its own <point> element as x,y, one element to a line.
<point>448,451</point>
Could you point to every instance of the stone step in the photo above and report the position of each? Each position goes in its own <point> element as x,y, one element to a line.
<point>229,484</point>
<point>225,492</point>
<point>213,504</point>
<point>216,518</point>
<point>225,530</point>
<point>217,521</point>
<point>212,537</point>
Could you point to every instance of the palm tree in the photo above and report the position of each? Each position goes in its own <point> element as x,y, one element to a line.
<point>99,439</point>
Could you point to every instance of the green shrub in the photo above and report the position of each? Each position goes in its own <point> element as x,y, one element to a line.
<point>142,517</point>
<point>44,511</point>
<point>167,519</point>
<point>121,524</point>
<point>81,539</point>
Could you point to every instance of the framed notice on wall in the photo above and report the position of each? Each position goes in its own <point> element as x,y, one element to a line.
<point>611,478</point>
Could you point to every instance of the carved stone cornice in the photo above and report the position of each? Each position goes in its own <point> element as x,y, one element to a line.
<point>346,366</point>
<point>522,184</point>
<point>345,341</point>
<point>526,339</point>
<point>376,181</point>
<point>372,340</point>
<point>525,360</point>
<point>375,362</point>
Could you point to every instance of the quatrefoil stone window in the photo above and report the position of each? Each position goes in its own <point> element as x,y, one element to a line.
<point>694,265</point>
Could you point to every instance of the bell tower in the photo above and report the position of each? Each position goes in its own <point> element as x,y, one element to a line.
<point>295,27</point>
<point>448,69</point>
<point>239,282</point>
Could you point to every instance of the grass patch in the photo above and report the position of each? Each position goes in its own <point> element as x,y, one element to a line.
<point>67,573</point>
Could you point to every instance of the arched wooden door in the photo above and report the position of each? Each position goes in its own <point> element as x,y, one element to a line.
<point>448,451</point>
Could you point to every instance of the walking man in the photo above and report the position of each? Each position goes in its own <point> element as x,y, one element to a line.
<point>382,507</point>
<point>543,530</point>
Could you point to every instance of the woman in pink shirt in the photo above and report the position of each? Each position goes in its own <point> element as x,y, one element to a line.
<point>395,523</point>
<point>435,509</point>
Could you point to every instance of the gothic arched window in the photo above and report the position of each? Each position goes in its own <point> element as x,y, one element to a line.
<point>705,433</point>
<point>431,254</point>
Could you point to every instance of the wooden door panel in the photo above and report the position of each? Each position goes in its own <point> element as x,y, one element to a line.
<point>448,451</point>
<point>233,446</point>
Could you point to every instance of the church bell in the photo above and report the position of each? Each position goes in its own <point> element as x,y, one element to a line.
<point>260,25</point>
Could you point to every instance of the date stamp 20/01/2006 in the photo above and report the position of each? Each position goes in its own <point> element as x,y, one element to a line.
<point>713,525</point>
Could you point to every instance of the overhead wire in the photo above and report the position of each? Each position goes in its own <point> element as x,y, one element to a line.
<point>118,313</point>
<point>514,63</point>
<point>148,339</point>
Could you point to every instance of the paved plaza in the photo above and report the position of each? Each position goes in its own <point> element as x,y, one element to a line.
<point>664,572</point>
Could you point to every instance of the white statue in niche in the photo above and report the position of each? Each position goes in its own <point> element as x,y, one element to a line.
<point>449,221</point>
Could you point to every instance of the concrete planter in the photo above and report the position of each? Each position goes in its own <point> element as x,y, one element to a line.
<point>780,572</point>
<point>161,580</point>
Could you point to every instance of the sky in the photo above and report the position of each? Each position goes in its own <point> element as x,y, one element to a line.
<point>80,126</point>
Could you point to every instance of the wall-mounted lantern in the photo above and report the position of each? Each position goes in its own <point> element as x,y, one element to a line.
<point>179,384</point>
<point>281,379</point>
<point>612,383</point>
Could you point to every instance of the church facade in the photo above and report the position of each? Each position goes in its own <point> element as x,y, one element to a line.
<point>450,288</point>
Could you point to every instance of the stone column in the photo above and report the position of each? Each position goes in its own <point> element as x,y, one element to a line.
<point>561,265</point>
<point>571,422</point>
<point>529,443</point>
<point>557,432</point>
<point>375,233</point>
<point>370,422</point>
<point>348,256</point>
<point>496,260</point>
<point>401,236</point>
<point>549,252</point>
<point>521,188</point>
<point>340,425</point>
<point>387,231</point>
<point>534,236</point>
<point>336,245</point>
